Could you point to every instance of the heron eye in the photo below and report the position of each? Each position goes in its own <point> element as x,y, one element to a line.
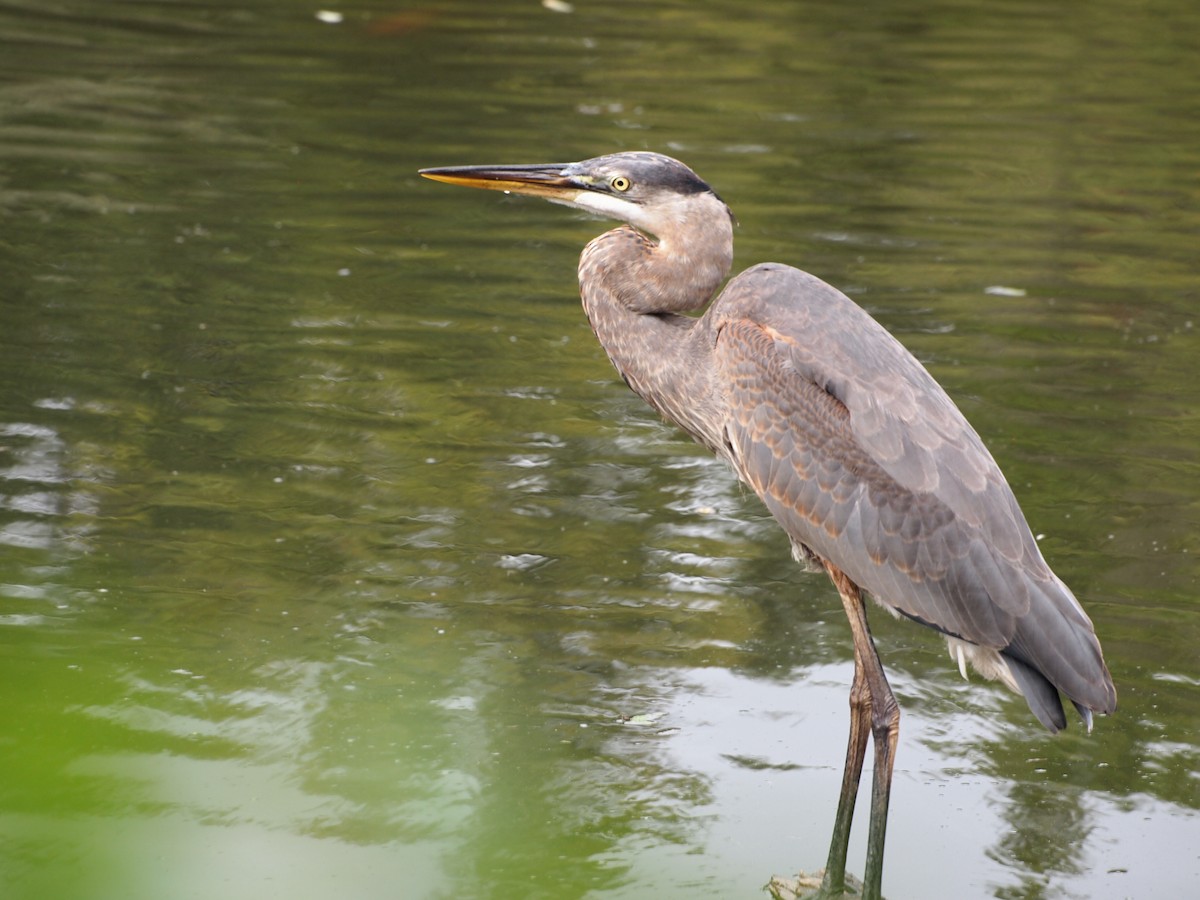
<point>620,183</point>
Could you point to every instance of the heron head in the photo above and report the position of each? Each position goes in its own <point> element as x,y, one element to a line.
<point>648,190</point>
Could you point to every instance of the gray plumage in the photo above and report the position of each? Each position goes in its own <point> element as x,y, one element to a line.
<point>855,449</point>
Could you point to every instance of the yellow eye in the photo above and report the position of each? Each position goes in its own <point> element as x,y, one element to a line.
<point>620,183</point>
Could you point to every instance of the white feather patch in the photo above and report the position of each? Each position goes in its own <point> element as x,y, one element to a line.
<point>987,662</point>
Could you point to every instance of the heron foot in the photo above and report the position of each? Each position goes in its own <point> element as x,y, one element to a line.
<point>808,886</point>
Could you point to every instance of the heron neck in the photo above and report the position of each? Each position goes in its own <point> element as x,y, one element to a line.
<point>635,291</point>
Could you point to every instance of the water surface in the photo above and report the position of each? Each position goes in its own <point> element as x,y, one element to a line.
<point>335,560</point>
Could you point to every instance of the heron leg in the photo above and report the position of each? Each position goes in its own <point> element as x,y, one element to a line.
<point>871,700</point>
<point>834,882</point>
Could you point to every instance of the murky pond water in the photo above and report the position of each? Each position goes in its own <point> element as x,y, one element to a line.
<point>336,561</point>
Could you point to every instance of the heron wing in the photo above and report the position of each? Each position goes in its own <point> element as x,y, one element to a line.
<point>865,461</point>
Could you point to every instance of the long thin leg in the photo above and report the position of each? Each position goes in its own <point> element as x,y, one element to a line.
<point>870,697</point>
<point>885,729</point>
<point>834,882</point>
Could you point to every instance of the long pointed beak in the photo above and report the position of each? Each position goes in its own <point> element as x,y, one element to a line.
<point>547,181</point>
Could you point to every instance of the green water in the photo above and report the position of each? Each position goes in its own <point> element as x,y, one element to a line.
<point>335,560</point>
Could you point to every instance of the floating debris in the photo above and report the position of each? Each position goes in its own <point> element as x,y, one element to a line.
<point>642,719</point>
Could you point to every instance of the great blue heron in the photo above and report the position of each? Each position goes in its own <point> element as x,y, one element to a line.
<point>857,452</point>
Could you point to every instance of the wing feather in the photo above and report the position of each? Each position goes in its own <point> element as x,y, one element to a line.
<point>866,462</point>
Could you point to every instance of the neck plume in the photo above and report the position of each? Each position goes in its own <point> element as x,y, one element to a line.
<point>675,273</point>
<point>635,290</point>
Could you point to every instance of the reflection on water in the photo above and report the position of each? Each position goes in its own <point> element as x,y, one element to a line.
<point>333,557</point>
